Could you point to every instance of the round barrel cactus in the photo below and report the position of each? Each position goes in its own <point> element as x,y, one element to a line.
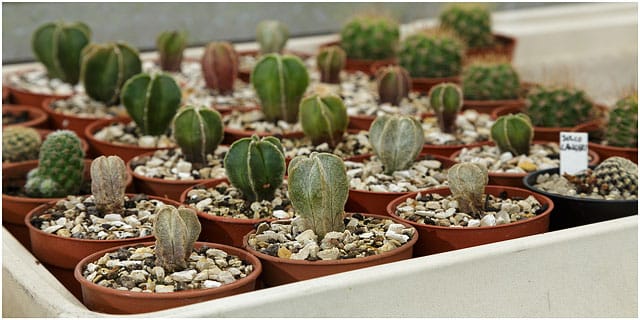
<point>370,37</point>
<point>622,128</point>
<point>323,118</point>
<point>198,131</point>
<point>490,79</point>
<point>171,45</point>
<point>220,66</point>
<point>396,140</point>
<point>20,144</point>
<point>272,36</point>
<point>513,133</point>
<point>431,54</point>
<point>558,106</point>
<point>472,22</point>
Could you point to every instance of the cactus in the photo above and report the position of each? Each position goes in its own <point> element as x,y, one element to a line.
<point>622,128</point>
<point>431,54</point>
<point>198,131</point>
<point>106,68</point>
<point>170,45</point>
<point>490,78</point>
<point>616,173</point>
<point>472,23</point>
<point>108,183</point>
<point>330,61</point>
<point>324,118</point>
<point>318,189</point>
<point>58,46</point>
<point>467,182</point>
<point>60,167</point>
<point>220,66</point>
<point>152,101</point>
<point>446,101</point>
<point>513,133</point>
<point>20,144</point>
<point>256,167</point>
<point>175,230</point>
<point>370,37</point>
<point>272,35</point>
<point>558,107</point>
<point>280,81</point>
<point>393,84</point>
<point>396,140</point>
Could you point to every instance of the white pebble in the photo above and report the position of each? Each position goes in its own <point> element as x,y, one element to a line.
<point>211,284</point>
<point>488,220</point>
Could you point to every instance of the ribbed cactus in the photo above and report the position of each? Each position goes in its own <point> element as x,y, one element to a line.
<point>490,78</point>
<point>471,22</point>
<point>60,167</point>
<point>272,36</point>
<point>220,66</point>
<point>20,144</point>
<point>176,231</point>
<point>280,81</point>
<point>105,69</point>
<point>446,101</point>
<point>256,167</point>
<point>558,107</point>
<point>58,46</point>
<point>370,37</point>
<point>622,129</point>
<point>108,183</point>
<point>616,173</point>
<point>394,84</point>
<point>171,45</point>
<point>466,182</point>
<point>431,54</point>
<point>198,131</point>
<point>513,133</point>
<point>318,189</point>
<point>396,140</point>
<point>152,101</point>
<point>323,118</point>
<point>330,61</point>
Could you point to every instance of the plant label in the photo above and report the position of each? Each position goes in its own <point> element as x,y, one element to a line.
<point>574,152</point>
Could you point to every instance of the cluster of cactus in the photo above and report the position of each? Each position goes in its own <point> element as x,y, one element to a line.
<point>613,175</point>
<point>431,54</point>
<point>513,133</point>
<point>176,231</point>
<point>171,45</point>
<point>280,81</point>
<point>318,189</point>
<point>622,127</point>
<point>370,37</point>
<point>272,36</point>
<point>558,107</point>
<point>60,167</point>
<point>394,84</point>
<point>106,68</point>
<point>220,66</point>
<point>446,101</point>
<point>330,61</point>
<point>198,131</point>
<point>396,140</point>
<point>108,184</point>
<point>20,144</point>
<point>466,182</point>
<point>323,118</point>
<point>152,101</point>
<point>490,78</point>
<point>472,23</point>
<point>58,46</point>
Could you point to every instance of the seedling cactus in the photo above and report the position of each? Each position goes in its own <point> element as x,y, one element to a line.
<point>20,144</point>
<point>272,35</point>
<point>558,106</point>
<point>220,66</point>
<point>490,78</point>
<point>622,128</point>
<point>171,45</point>
<point>370,37</point>
<point>176,231</point>
<point>396,140</point>
<point>393,84</point>
<point>467,182</point>
<point>431,54</point>
<point>330,61</point>
<point>198,131</point>
<point>446,101</point>
<point>513,133</point>
<point>472,22</point>
<point>108,183</point>
<point>323,118</point>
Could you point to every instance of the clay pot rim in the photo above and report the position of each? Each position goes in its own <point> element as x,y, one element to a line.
<point>27,92</point>
<point>99,124</point>
<point>489,189</point>
<point>244,255</point>
<point>240,132</point>
<point>255,52</point>
<point>457,146</point>
<point>613,148</point>
<point>39,116</point>
<point>423,80</point>
<point>501,103</point>
<point>46,106</point>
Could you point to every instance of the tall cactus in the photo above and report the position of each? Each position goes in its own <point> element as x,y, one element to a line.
<point>513,133</point>
<point>20,144</point>
<point>394,84</point>
<point>323,118</point>
<point>198,131</point>
<point>330,61</point>
<point>220,66</point>
<point>466,182</point>
<point>446,101</point>
<point>272,35</point>
<point>622,128</point>
<point>58,46</point>
<point>108,184</point>
<point>176,231</point>
<point>318,189</point>
<point>396,140</point>
<point>370,37</point>
<point>472,22</point>
<point>171,45</point>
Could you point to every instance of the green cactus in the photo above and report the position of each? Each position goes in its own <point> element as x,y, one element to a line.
<point>558,107</point>
<point>396,140</point>
<point>220,66</point>
<point>330,61</point>
<point>622,128</point>
<point>370,37</point>
<point>60,167</point>
<point>108,184</point>
<point>58,46</point>
<point>152,101</point>
<point>20,144</point>
<point>513,133</point>
<point>323,118</point>
<point>466,182</point>
<point>446,101</point>
<point>394,84</point>
<point>176,231</point>
<point>280,81</point>
<point>490,78</point>
<point>318,189</point>
<point>431,54</point>
<point>198,131</point>
<point>472,23</point>
<point>272,36</point>
<point>256,167</point>
<point>171,45</point>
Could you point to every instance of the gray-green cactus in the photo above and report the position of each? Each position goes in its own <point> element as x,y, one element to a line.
<point>490,78</point>
<point>622,128</point>
<point>446,101</point>
<point>330,61</point>
<point>198,131</point>
<point>513,133</point>
<point>323,118</point>
<point>272,36</point>
<point>394,84</point>
<point>220,66</point>
<point>370,37</point>
<point>108,183</point>
<point>396,140</point>
<point>176,231</point>
<point>20,144</point>
<point>467,182</point>
<point>431,54</point>
<point>472,22</point>
<point>549,106</point>
<point>171,45</point>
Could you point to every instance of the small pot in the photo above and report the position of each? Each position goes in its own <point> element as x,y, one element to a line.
<point>488,106</point>
<point>606,151</point>
<point>245,75</point>
<point>503,46</point>
<point>231,135</point>
<point>37,117</point>
<point>108,300</point>
<point>71,122</point>
<point>436,239</point>
<point>24,97</point>
<point>43,135</point>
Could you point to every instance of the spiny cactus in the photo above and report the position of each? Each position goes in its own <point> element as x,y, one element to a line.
<point>330,61</point>
<point>323,118</point>
<point>558,107</point>
<point>446,101</point>
<point>272,36</point>
<point>176,231</point>
<point>513,133</point>
<point>108,183</point>
<point>220,66</point>
<point>60,167</point>
<point>490,78</point>
<point>622,128</point>
<point>171,45</point>
<point>58,46</point>
<point>431,54</point>
<point>151,100</point>
<point>280,81</point>
<point>393,84</point>
<point>105,69</point>
<point>467,182</point>
<point>20,144</point>
<point>396,140</point>
<point>471,22</point>
<point>256,167</point>
<point>616,173</point>
<point>370,37</point>
<point>198,131</point>
<point>318,189</point>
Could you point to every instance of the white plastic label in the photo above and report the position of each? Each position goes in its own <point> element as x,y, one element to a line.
<point>574,152</point>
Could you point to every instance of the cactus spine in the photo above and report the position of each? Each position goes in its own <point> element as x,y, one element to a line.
<point>324,118</point>
<point>471,22</point>
<point>622,128</point>
<point>431,54</point>
<point>176,231</point>
<point>396,140</point>
<point>558,107</point>
<point>318,190</point>
<point>446,101</point>
<point>513,133</point>
<point>58,46</point>
<point>370,37</point>
<point>467,182</point>
<point>490,78</point>
<point>220,66</point>
<point>393,84</point>
<point>108,183</point>
<point>171,45</point>
<point>20,144</point>
<point>272,35</point>
<point>330,61</point>
<point>198,131</point>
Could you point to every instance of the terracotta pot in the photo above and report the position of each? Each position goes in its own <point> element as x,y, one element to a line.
<point>231,135</point>
<point>43,135</point>
<point>37,117</point>
<point>227,109</point>
<point>278,271</point>
<point>424,84</point>
<point>488,106</point>
<point>101,299</point>
<point>504,46</point>
<point>24,97</point>
<point>448,150</point>
<point>436,239</point>
<point>363,65</point>
<point>6,94</point>
<point>606,151</point>
<point>245,74</point>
